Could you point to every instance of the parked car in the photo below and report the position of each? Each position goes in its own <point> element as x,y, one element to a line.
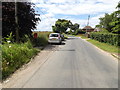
<point>55,38</point>
<point>62,37</point>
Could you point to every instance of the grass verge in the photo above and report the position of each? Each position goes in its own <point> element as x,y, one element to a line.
<point>105,46</point>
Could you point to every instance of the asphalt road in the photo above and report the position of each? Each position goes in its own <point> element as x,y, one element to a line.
<point>74,64</point>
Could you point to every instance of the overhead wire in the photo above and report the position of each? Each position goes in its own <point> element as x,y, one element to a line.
<point>44,14</point>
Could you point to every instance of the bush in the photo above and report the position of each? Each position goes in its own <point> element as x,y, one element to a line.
<point>106,38</point>
<point>14,56</point>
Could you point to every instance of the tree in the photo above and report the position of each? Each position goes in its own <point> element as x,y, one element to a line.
<point>61,26</point>
<point>116,20</point>
<point>75,27</point>
<point>105,22</point>
<point>27,19</point>
<point>111,22</point>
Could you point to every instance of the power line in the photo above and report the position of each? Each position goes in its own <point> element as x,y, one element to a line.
<point>43,13</point>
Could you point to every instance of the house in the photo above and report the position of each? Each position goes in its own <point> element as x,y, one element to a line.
<point>97,29</point>
<point>88,29</point>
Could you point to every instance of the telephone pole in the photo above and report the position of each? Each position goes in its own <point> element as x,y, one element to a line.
<point>88,22</point>
<point>16,21</point>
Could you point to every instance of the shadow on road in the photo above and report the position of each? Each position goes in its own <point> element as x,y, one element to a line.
<point>66,50</point>
<point>53,47</point>
<point>57,43</point>
<point>50,48</point>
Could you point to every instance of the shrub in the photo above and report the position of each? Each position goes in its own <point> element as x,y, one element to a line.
<point>106,38</point>
<point>14,56</point>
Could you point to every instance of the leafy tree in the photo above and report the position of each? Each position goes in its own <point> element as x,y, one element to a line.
<point>105,22</point>
<point>97,26</point>
<point>111,22</point>
<point>61,25</point>
<point>116,20</point>
<point>26,18</point>
<point>75,27</point>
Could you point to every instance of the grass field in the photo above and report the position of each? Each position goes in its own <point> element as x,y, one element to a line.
<point>42,32</point>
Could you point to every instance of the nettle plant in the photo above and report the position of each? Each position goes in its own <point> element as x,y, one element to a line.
<point>9,39</point>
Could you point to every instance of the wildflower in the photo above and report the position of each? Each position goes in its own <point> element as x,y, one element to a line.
<point>9,46</point>
<point>7,63</point>
<point>8,41</point>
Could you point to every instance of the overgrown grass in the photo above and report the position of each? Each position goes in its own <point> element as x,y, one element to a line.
<point>42,32</point>
<point>42,39</point>
<point>105,46</point>
<point>14,56</point>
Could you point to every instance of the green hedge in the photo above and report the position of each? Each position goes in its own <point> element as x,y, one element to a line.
<point>14,56</point>
<point>110,38</point>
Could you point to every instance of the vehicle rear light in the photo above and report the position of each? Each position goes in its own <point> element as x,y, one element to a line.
<point>59,36</point>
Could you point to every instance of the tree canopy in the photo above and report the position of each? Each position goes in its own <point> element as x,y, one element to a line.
<point>75,26</point>
<point>111,22</point>
<point>26,15</point>
<point>61,25</point>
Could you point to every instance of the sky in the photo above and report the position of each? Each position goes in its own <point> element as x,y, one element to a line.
<point>77,11</point>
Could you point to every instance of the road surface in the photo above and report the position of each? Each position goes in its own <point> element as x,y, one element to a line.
<point>74,64</point>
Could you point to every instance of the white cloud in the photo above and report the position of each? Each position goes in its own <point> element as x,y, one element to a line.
<point>74,7</point>
<point>46,24</point>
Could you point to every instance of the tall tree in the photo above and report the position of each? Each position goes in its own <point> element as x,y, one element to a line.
<point>105,22</point>
<point>116,20</point>
<point>111,22</point>
<point>27,19</point>
<point>75,27</point>
<point>61,25</point>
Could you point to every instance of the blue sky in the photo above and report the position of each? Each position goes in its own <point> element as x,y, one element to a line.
<point>75,10</point>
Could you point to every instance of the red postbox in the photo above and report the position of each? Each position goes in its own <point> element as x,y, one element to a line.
<point>35,35</point>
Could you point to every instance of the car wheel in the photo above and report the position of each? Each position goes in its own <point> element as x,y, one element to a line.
<point>60,42</point>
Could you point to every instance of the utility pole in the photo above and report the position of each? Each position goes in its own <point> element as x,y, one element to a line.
<point>88,22</point>
<point>16,21</point>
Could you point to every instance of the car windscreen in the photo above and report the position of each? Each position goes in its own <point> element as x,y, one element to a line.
<point>53,35</point>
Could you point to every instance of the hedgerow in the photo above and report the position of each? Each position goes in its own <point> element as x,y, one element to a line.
<point>110,38</point>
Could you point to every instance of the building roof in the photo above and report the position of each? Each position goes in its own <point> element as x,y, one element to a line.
<point>87,27</point>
